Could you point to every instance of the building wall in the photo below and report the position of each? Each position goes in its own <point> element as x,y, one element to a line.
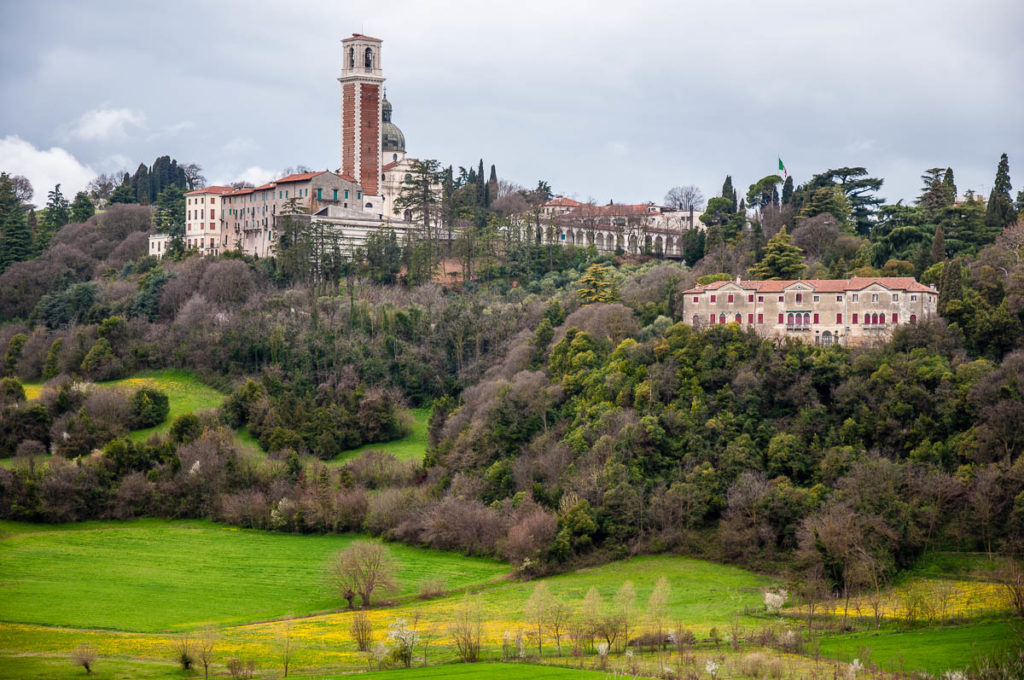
<point>203,214</point>
<point>818,316</point>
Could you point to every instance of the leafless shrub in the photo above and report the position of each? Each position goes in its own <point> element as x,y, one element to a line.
<point>432,587</point>
<point>363,568</point>
<point>183,652</point>
<point>84,656</point>
<point>361,629</point>
<point>528,537</point>
<point>241,669</point>
<point>466,629</point>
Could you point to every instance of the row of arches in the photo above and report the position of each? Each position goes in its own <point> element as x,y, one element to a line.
<point>610,241</point>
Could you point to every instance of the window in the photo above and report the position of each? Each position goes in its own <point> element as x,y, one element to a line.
<point>799,297</point>
<point>211,213</point>
<point>789,319</point>
<point>346,195</point>
<point>760,318</point>
<point>815,317</point>
<point>816,298</point>
<point>760,298</point>
<point>319,194</point>
<point>839,298</point>
<point>807,318</point>
<point>696,320</point>
<point>780,317</point>
<point>696,299</point>
<point>913,318</point>
<point>782,298</point>
<point>750,318</point>
<point>730,298</point>
<point>913,298</point>
<point>855,296</point>
<point>335,194</point>
<point>881,319</point>
<point>855,319</point>
<point>712,318</point>
<point>874,297</point>
<point>750,298</point>
<point>895,297</point>
<point>895,318</point>
<point>714,298</point>
<point>359,194</point>
<point>839,317</point>
<point>721,318</point>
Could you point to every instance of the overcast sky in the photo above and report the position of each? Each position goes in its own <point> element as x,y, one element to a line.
<point>611,101</point>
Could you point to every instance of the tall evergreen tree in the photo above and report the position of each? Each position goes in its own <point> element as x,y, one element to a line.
<point>123,193</point>
<point>729,192</point>
<point>15,238</point>
<point>999,211</point>
<point>939,245</point>
<point>949,187</point>
<point>951,285</point>
<point>81,208</point>
<point>58,213</point>
<point>782,259</point>
<point>787,191</point>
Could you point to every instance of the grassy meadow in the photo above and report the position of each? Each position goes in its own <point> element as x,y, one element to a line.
<point>132,589</point>
<point>410,447</point>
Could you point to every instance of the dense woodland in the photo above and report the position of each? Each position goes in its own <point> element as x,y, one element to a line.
<point>574,417</point>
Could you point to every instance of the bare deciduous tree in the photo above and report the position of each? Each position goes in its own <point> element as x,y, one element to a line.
<point>559,615</point>
<point>686,197</point>
<point>84,656</point>
<point>657,608</point>
<point>363,568</point>
<point>536,609</point>
<point>466,629</point>
<point>207,645</point>
<point>625,604</point>
<point>183,652</point>
<point>362,631</point>
<point>285,638</point>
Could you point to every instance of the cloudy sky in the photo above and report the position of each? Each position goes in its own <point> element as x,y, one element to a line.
<point>610,101</point>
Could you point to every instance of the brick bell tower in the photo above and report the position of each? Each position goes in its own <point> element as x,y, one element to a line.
<point>361,94</point>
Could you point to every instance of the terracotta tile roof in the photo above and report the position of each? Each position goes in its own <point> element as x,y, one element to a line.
<point>209,190</point>
<point>360,36</point>
<point>348,178</point>
<point>299,177</point>
<point>243,190</point>
<point>908,283</point>
<point>388,166</point>
<point>562,201</point>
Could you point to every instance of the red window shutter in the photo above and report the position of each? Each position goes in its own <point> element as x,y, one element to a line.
<point>895,318</point>
<point>760,318</point>
<point>855,319</point>
<point>815,317</point>
<point>750,318</point>
<point>750,298</point>
<point>730,298</point>
<point>712,318</point>
<point>696,299</point>
<point>839,317</point>
<point>780,317</point>
<point>714,298</point>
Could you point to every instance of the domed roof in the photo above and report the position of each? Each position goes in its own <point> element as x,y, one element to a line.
<point>391,137</point>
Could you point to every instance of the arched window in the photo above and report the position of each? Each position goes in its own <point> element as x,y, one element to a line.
<point>368,58</point>
<point>739,318</point>
<point>826,338</point>
<point>369,205</point>
<point>721,318</point>
<point>696,320</point>
<point>881,319</point>
<point>807,318</point>
<point>408,177</point>
<point>913,318</point>
<point>351,57</point>
<point>789,319</point>
<point>874,319</point>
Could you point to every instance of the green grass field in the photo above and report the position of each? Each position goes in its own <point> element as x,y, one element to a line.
<point>411,447</point>
<point>934,650</point>
<point>482,671</point>
<point>151,575</point>
<point>184,391</point>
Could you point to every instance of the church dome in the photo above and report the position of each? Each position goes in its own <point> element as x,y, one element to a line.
<point>391,137</point>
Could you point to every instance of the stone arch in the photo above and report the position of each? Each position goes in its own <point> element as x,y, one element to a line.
<point>826,338</point>
<point>600,240</point>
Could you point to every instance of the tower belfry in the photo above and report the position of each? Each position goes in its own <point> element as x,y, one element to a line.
<point>361,96</point>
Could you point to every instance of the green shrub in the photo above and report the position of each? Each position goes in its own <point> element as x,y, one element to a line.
<point>150,407</point>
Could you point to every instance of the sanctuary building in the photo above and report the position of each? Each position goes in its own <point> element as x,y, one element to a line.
<point>822,311</point>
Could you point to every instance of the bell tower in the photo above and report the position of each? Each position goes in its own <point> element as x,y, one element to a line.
<point>361,95</point>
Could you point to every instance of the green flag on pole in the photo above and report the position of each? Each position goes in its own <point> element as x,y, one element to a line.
<point>783,168</point>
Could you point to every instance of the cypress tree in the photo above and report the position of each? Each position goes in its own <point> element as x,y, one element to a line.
<point>939,245</point>
<point>729,192</point>
<point>15,238</point>
<point>999,211</point>
<point>787,191</point>
<point>951,286</point>
<point>949,187</point>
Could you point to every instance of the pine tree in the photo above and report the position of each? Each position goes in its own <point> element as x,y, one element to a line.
<point>123,193</point>
<point>81,208</point>
<point>787,191</point>
<point>939,245</point>
<point>782,259</point>
<point>58,213</point>
<point>596,285</point>
<point>951,286</point>
<point>999,211</point>
<point>15,237</point>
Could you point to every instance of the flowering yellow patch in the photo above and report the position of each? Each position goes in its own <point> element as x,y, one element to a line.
<point>923,600</point>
